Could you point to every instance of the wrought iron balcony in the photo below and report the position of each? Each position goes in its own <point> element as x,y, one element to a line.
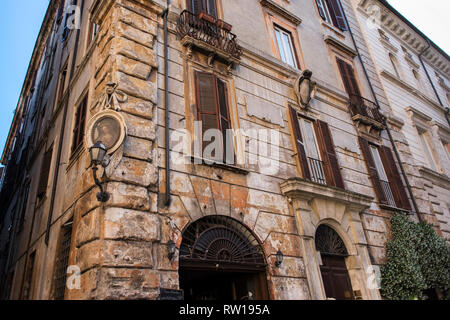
<point>365,110</point>
<point>316,170</point>
<point>209,34</point>
<point>388,193</point>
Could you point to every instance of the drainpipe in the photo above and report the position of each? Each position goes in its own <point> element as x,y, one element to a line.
<point>167,103</point>
<point>426,71</point>
<point>61,135</point>
<point>397,155</point>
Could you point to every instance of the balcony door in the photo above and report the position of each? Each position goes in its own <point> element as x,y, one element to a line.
<point>198,6</point>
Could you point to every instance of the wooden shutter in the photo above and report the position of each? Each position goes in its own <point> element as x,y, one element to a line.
<point>351,87</point>
<point>224,115</point>
<point>348,77</point>
<point>45,171</point>
<point>395,181</point>
<point>331,164</point>
<point>301,153</point>
<point>60,10</point>
<point>80,120</point>
<point>206,103</point>
<point>195,6</point>
<point>372,170</point>
<point>321,9</point>
<point>212,8</point>
<point>337,14</point>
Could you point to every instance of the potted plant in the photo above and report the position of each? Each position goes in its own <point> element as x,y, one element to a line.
<point>207,17</point>
<point>223,25</point>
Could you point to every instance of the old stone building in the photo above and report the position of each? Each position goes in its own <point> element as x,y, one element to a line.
<point>296,202</point>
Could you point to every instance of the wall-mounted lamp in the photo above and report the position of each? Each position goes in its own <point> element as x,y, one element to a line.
<point>172,249</point>
<point>305,89</point>
<point>98,157</point>
<point>279,258</point>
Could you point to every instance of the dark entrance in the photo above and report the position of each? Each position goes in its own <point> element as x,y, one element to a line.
<point>220,259</point>
<point>334,271</point>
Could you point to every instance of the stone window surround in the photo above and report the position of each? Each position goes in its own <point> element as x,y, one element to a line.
<point>274,17</point>
<point>191,110</point>
<point>424,124</point>
<point>315,205</point>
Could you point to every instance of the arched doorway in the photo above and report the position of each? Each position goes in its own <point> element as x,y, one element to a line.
<point>336,279</point>
<point>220,259</point>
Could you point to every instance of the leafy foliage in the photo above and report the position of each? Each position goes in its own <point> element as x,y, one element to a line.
<point>417,259</point>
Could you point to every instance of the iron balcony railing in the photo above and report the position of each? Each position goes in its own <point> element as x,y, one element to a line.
<point>209,32</point>
<point>388,193</point>
<point>366,108</point>
<point>316,170</point>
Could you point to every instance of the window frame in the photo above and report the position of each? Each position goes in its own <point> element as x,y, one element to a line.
<point>291,45</point>
<point>217,107</point>
<point>427,151</point>
<point>79,124</point>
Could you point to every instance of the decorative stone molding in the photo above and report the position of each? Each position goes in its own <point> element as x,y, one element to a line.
<point>314,205</point>
<point>436,178</point>
<point>281,11</point>
<point>109,127</point>
<point>406,34</point>
<point>330,40</point>
<point>388,75</point>
<point>388,45</point>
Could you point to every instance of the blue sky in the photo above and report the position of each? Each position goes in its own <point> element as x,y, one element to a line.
<point>20,21</point>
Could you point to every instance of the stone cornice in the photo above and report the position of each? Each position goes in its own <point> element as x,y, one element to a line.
<point>296,188</point>
<point>330,40</point>
<point>418,114</point>
<point>407,35</point>
<point>411,89</point>
<point>281,11</point>
<point>436,178</point>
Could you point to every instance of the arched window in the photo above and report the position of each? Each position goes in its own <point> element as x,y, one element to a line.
<point>216,239</point>
<point>220,259</point>
<point>329,242</point>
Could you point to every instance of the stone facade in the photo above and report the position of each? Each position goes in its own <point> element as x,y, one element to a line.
<point>121,247</point>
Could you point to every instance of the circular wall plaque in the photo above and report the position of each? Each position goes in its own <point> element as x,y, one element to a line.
<point>107,127</point>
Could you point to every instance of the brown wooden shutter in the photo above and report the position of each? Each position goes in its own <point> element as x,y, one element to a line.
<point>224,114</point>
<point>321,9</point>
<point>348,77</point>
<point>60,10</point>
<point>373,173</point>
<point>212,8</point>
<point>45,171</point>
<point>301,153</point>
<point>395,181</point>
<point>351,87</point>
<point>329,157</point>
<point>207,106</point>
<point>195,6</point>
<point>337,14</point>
<point>78,131</point>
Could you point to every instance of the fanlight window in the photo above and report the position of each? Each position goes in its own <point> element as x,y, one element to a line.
<point>328,242</point>
<point>219,240</point>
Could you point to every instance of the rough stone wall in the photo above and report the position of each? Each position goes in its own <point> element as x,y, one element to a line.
<point>117,245</point>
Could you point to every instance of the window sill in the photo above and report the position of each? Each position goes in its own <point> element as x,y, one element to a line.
<point>195,161</point>
<point>394,209</point>
<point>75,156</point>
<point>337,31</point>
